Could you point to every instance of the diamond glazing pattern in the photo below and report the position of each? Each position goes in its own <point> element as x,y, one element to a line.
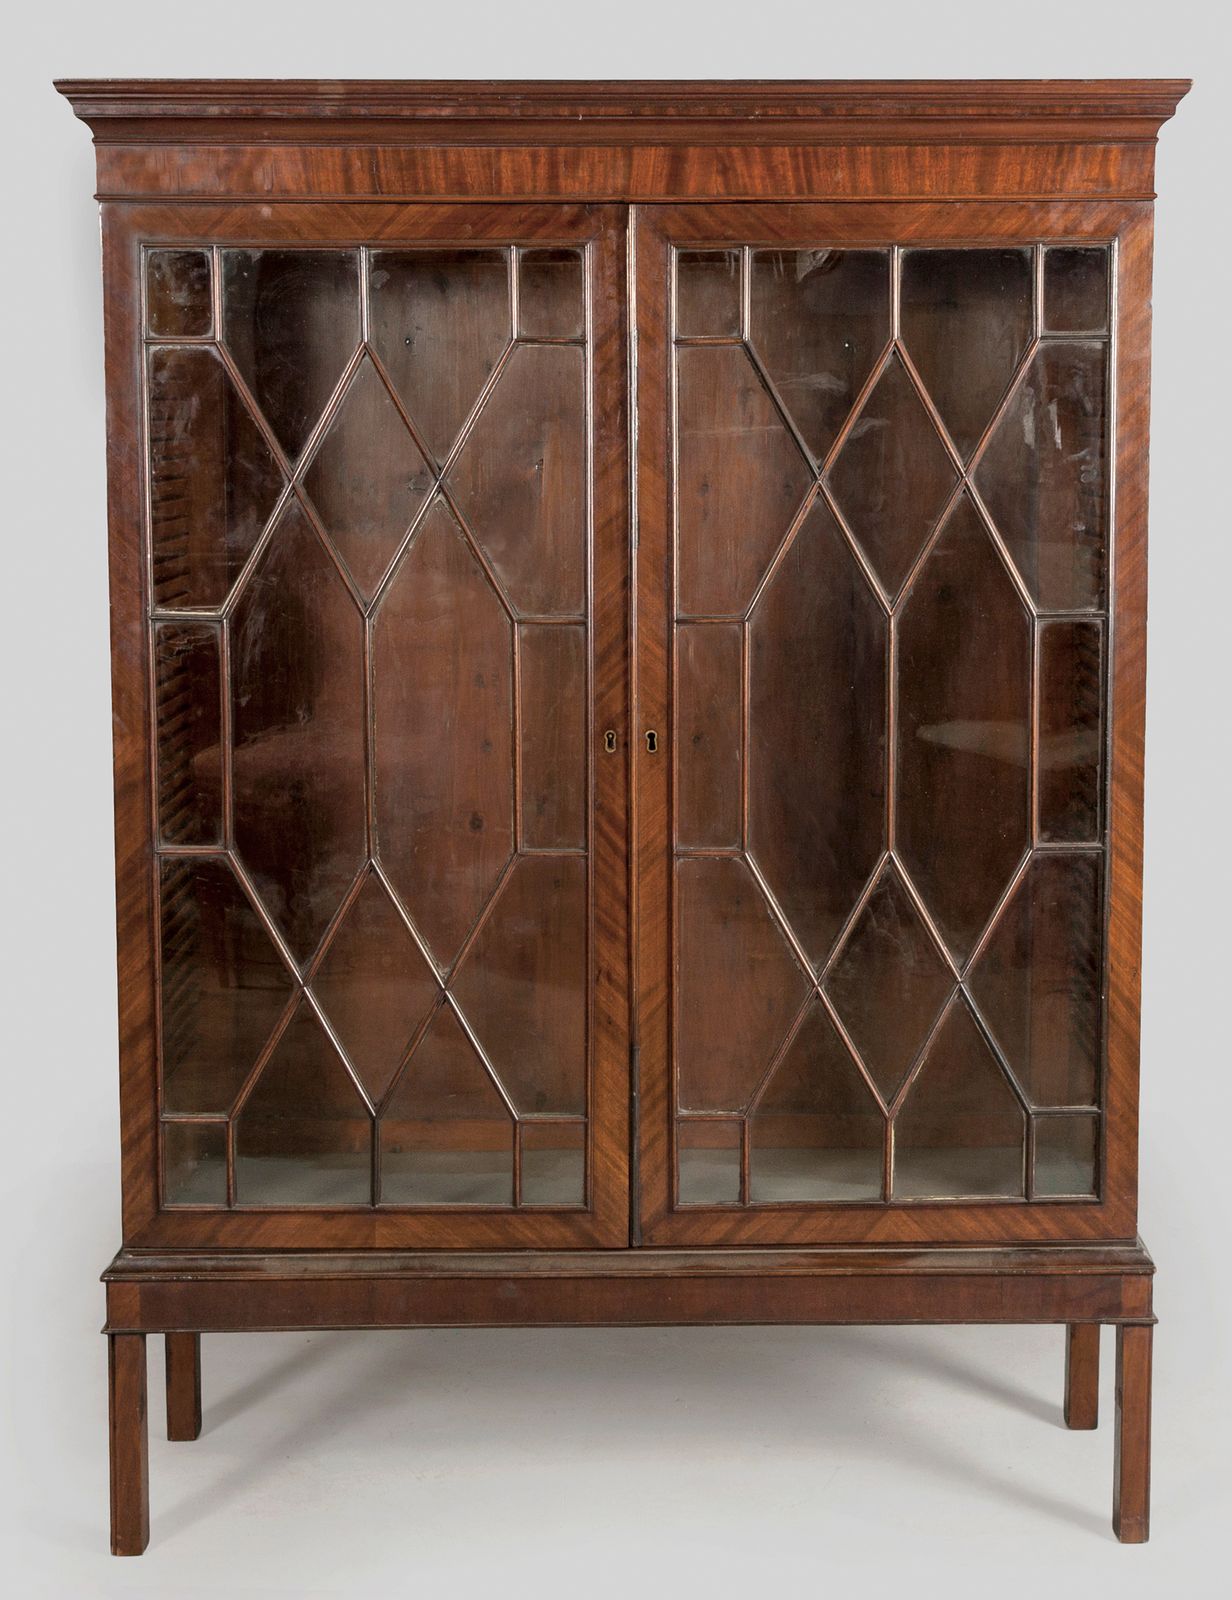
<point>369,499</point>
<point>891,477</point>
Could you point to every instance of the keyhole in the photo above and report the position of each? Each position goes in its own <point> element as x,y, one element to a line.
<point>609,740</point>
<point>652,740</point>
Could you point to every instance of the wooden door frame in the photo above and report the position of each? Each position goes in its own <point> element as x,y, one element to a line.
<point>656,230</point>
<point>127,230</point>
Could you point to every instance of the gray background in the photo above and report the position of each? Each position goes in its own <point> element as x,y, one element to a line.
<point>843,1461</point>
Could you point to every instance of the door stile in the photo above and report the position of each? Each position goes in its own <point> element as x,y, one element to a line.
<point>611,583</point>
<point>651,776</point>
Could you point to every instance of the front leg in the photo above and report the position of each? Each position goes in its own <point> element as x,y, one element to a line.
<point>130,1466</point>
<point>1131,1494</point>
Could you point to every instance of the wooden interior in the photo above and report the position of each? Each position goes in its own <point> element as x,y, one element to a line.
<point>628,611</point>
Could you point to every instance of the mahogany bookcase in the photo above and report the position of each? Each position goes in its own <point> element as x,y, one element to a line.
<point>628,609</point>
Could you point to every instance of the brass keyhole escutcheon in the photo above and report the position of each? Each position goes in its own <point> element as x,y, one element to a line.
<point>652,740</point>
<point>609,740</point>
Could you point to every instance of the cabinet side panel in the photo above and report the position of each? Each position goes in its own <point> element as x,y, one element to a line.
<point>1128,708</point>
<point>131,700</point>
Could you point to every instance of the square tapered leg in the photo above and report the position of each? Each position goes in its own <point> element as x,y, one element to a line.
<point>1131,1496</point>
<point>130,1469</point>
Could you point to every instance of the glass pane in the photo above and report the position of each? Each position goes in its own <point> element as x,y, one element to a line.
<point>709,694</point>
<point>550,299</point>
<point>740,480</point>
<point>820,319</point>
<point>775,590</point>
<point>446,1136</point>
<point>708,1162</point>
<point>1066,1155</point>
<point>404,746</point>
<point>443,718</point>
<point>1038,981</point>
<point>177,289</point>
<point>195,1163</point>
<point>1044,475</point>
<point>817,1133</point>
<point>213,479</point>
<point>304,1135</point>
<point>961,1131</point>
<point>817,706</point>
<point>223,985</point>
<point>440,322</point>
<point>521,480</point>
<point>553,1163</point>
<point>522,984</point>
<point>708,293</point>
<point>889,984</point>
<point>966,318</point>
<point>552,728</point>
<point>964,687</point>
<point>291,323</point>
<point>1071,693</point>
<point>375,987</point>
<point>368,480</point>
<point>298,719</point>
<point>892,477</point>
<point>1076,290</point>
<point>188,714</point>
<point>728,945</point>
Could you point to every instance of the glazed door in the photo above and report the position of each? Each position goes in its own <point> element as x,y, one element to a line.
<point>876,895</point>
<point>385,611</point>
